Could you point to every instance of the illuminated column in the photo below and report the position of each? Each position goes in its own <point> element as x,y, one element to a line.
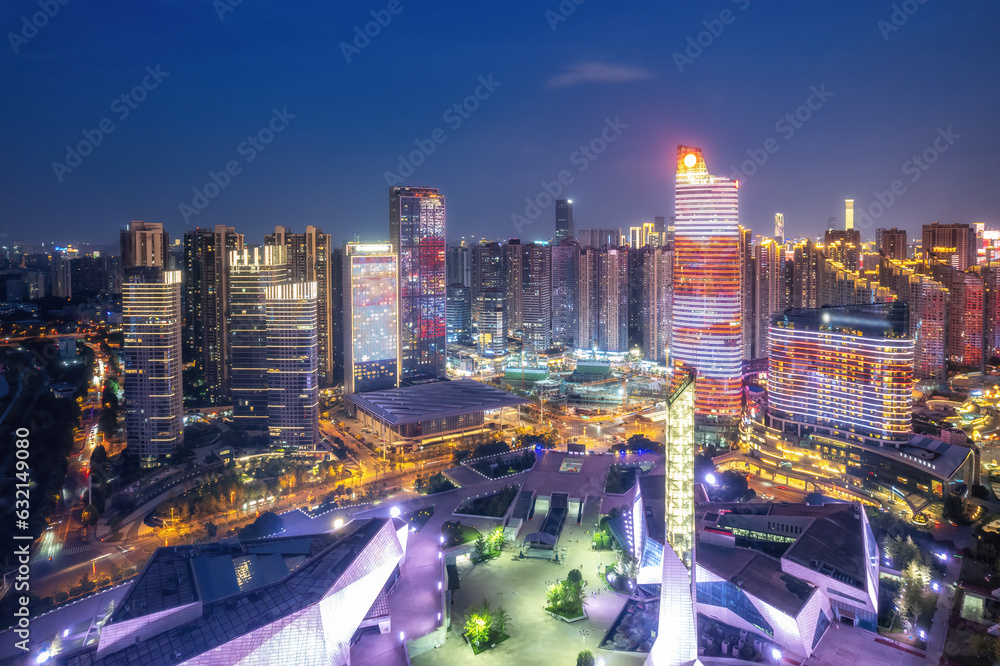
<point>779,227</point>
<point>676,641</point>
<point>849,214</point>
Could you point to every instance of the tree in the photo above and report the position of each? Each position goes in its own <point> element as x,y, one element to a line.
<point>482,548</point>
<point>89,515</point>
<point>479,623</point>
<point>585,658</point>
<point>627,566</point>
<point>574,576</point>
<point>501,618</point>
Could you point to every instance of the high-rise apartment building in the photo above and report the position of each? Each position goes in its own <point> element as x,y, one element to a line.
<point>487,274</point>
<point>768,292</point>
<point>536,297</point>
<point>843,371</point>
<point>706,316</point>
<point>952,244</point>
<point>417,235</point>
<point>602,299</point>
<point>928,302</point>
<point>747,291</point>
<point>206,298</point>
<point>966,310</point>
<point>151,363</point>
<point>513,268</point>
<point>459,314</point>
<point>844,247</point>
<point>804,288</point>
<point>144,244</point>
<point>371,318</point>
<point>311,257</point>
<point>564,220</point>
<point>292,365</point>
<point>252,271</point>
<point>891,243</point>
<point>565,258</point>
<point>597,238</point>
<point>458,261</point>
<point>657,302</point>
<point>492,340</point>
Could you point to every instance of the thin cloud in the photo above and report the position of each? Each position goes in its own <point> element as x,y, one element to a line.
<point>597,72</point>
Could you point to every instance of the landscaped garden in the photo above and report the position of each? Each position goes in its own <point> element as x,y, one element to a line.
<point>455,534</point>
<point>436,483</point>
<point>566,597</point>
<point>494,505</point>
<point>505,464</point>
<point>490,544</point>
<point>485,627</point>
<point>417,519</point>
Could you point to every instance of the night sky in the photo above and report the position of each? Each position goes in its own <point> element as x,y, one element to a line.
<point>887,91</point>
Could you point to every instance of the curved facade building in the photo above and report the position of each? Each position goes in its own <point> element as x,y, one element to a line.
<point>846,371</point>
<point>707,331</point>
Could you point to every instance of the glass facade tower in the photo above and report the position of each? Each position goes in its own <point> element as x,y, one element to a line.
<point>371,318</point>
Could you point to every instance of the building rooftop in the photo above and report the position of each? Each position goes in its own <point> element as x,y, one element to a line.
<point>938,457</point>
<point>757,574</point>
<point>425,402</point>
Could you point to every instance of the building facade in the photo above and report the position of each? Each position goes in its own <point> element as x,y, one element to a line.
<point>292,365</point>
<point>371,318</point>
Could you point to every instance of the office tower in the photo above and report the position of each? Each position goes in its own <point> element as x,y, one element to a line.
<point>565,257</point>
<point>928,321</point>
<point>747,291</point>
<point>779,228</point>
<point>292,365</point>
<point>311,257</point>
<point>597,238</point>
<point>602,303</point>
<point>844,247</point>
<point>844,371</point>
<point>151,363</point>
<point>768,263</point>
<point>487,273</point>
<point>144,244</point>
<point>371,318</point>
<point>458,261</point>
<point>417,235</point>
<point>657,302</point>
<point>849,214</point>
<point>677,637</point>
<point>805,275</point>
<point>564,220</point>
<point>252,270</point>
<point>206,297</point>
<point>953,244</point>
<point>493,325</point>
<point>459,314</point>
<point>513,269</point>
<point>891,243</point>
<point>706,319</point>
<point>536,297</point>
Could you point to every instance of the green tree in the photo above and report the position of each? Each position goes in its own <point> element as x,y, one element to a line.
<point>585,658</point>
<point>501,619</point>
<point>89,515</point>
<point>479,623</point>
<point>574,576</point>
<point>482,548</point>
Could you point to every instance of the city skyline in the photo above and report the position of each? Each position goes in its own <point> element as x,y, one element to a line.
<point>274,143</point>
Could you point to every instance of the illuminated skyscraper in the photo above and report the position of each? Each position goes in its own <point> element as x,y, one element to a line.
<point>251,272</point>
<point>371,318</point>
<point>565,258</point>
<point>953,244</point>
<point>779,227</point>
<point>706,318</point>
<point>892,243</point>
<point>206,297</point>
<point>657,302</point>
<point>459,314</point>
<point>151,363</point>
<point>292,365</point>
<point>536,297</point>
<point>768,275</point>
<point>842,371</point>
<point>417,235</point>
<point>564,220</point>
<point>849,214</point>
<point>493,322</point>
<point>487,273</point>
<point>602,288</point>
<point>144,244</point>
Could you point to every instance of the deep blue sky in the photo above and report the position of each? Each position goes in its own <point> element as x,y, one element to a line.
<point>941,68</point>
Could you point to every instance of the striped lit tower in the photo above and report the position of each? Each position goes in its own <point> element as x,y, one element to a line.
<point>706,313</point>
<point>292,365</point>
<point>371,317</point>
<point>843,371</point>
<point>151,363</point>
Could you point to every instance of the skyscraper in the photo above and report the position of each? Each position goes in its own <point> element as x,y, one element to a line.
<point>602,304</point>
<point>487,273</point>
<point>151,363</point>
<point>779,227</point>
<point>953,244</point>
<point>849,214</point>
<point>844,371</point>
<point>748,288</point>
<point>657,302</point>
<point>492,339</point>
<point>565,257</point>
<point>706,318</point>
<point>206,297</point>
<point>144,244</point>
<point>844,247</point>
<point>513,270</point>
<point>459,314</point>
<point>565,229</point>
<point>459,265</point>
<point>891,243</point>
<point>768,261</point>
<point>252,271</point>
<point>292,365</point>
<point>311,257</point>
<point>371,318</point>
<point>536,297</point>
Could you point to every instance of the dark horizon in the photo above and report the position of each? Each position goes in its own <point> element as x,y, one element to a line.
<point>296,116</point>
